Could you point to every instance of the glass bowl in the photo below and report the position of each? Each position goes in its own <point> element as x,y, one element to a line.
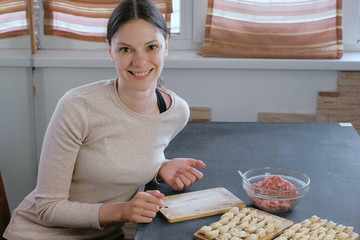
<point>275,201</point>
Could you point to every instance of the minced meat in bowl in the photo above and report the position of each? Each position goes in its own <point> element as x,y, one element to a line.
<point>275,189</point>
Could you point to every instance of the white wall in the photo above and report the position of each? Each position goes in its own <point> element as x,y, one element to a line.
<point>238,95</point>
<point>18,163</point>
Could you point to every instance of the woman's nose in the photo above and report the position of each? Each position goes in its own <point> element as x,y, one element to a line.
<point>139,59</point>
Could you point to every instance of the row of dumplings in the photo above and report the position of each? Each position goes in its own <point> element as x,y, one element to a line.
<point>315,228</point>
<point>241,224</point>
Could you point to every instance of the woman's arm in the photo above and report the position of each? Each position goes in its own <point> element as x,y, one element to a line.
<point>64,136</point>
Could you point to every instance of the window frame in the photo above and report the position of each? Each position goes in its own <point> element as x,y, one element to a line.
<point>351,36</point>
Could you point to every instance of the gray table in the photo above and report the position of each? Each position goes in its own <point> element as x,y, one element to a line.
<point>327,152</point>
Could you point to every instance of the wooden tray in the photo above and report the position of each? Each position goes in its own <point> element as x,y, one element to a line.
<point>284,225</point>
<point>197,204</point>
<point>354,237</point>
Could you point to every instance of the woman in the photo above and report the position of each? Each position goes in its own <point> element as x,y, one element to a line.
<point>107,139</point>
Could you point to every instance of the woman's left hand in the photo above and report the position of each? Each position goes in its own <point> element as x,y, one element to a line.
<point>179,173</point>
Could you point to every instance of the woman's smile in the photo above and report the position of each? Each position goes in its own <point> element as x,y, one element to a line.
<point>140,74</point>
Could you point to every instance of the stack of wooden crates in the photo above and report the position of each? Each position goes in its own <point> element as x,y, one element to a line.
<point>340,106</point>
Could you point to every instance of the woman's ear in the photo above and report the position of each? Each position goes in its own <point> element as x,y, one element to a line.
<point>109,49</point>
<point>166,45</point>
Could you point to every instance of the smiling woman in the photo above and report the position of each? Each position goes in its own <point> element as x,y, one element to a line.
<point>106,140</point>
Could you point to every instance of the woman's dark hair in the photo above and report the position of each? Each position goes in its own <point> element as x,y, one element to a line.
<point>128,10</point>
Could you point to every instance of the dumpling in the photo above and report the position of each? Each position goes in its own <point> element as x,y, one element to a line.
<point>296,227</point>
<point>212,234</point>
<point>224,229</point>
<point>224,236</point>
<point>234,210</point>
<point>224,221</point>
<point>261,232</point>
<point>252,237</point>
<point>228,215</point>
<point>215,225</point>
<point>251,229</point>
<point>314,219</point>
<point>205,229</point>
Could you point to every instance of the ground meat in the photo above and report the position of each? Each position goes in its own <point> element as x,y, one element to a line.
<point>275,182</point>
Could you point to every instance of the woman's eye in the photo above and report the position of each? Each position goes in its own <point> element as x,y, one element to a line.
<point>152,47</point>
<point>125,49</point>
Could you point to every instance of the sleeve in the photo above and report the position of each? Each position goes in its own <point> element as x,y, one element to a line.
<point>181,117</point>
<point>63,139</point>
<point>157,179</point>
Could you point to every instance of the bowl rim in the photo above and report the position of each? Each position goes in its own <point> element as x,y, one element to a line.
<point>271,193</point>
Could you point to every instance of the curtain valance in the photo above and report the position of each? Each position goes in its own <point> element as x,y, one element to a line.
<point>13,18</point>
<point>306,29</point>
<point>85,19</point>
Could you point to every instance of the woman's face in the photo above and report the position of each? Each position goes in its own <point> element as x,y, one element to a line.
<point>138,50</point>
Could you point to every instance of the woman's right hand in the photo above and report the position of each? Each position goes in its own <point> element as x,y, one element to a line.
<point>142,208</point>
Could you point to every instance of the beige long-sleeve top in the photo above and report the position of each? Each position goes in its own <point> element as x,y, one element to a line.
<point>95,151</point>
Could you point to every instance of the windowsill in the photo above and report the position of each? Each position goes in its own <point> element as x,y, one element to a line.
<point>15,58</point>
<point>175,60</point>
<point>350,61</point>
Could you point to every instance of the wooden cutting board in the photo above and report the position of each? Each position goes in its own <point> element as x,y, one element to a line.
<point>197,204</point>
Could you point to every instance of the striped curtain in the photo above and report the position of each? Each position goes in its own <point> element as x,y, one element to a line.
<point>297,29</point>
<point>85,19</point>
<point>13,18</point>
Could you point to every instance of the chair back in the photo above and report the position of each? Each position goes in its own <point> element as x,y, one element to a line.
<point>4,208</point>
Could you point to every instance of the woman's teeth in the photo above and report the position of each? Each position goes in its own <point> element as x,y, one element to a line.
<point>141,74</point>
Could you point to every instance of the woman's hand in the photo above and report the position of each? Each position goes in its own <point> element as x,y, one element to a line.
<point>142,208</point>
<point>179,173</point>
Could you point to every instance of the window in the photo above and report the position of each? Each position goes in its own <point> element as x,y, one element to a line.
<point>175,17</point>
<point>358,41</point>
<point>351,25</point>
<point>192,21</point>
